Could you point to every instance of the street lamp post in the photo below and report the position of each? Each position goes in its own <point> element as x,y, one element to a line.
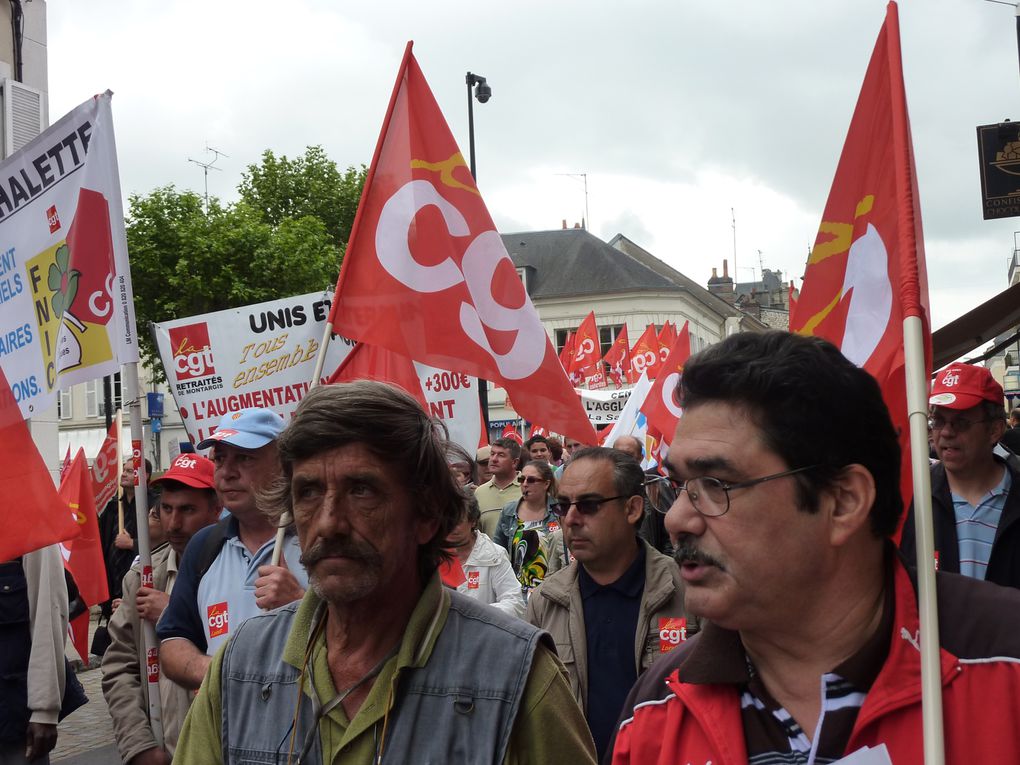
<point>483,93</point>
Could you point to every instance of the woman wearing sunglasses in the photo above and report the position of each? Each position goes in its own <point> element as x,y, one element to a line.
<point>524,524</point>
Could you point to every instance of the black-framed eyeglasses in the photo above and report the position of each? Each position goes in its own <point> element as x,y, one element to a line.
<point>960,424</point>
<point>533,479</point>
<point>711,497</point>
<point>584,506</point>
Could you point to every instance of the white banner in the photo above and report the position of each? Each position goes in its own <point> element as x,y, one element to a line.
<point>263,355</point>
<point>603,406</point>
<point>66,310</point>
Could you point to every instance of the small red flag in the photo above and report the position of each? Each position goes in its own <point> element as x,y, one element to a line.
<point>667,339</point>
<point>661,406</point>
<point>31,514</point>
<point>79,630</point>
<point>104,469</point>
<point>587,350</point>
<point>427,276</point>
<point>83,556</point>
<point>645,357</point>
<point>66,464</point>
<point>618,357</point>
<point>510,431</point>
<point>866,272</point>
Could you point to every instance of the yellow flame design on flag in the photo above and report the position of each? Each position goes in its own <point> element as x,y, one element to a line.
<point>445,170</point>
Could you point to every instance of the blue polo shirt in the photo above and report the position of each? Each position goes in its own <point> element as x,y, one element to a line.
<point>207,610</point>
<point>610,624</point>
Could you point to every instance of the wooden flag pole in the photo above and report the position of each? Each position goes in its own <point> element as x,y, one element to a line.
<point>144,548</point>
<point>931,667</point>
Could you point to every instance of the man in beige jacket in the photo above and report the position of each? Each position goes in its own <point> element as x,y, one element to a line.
<point>188,502</point>
<point>619,604</point>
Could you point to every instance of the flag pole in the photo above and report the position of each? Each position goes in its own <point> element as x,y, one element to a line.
<point>120,473</point>
<point>931,666</point>
<point>144,548</point>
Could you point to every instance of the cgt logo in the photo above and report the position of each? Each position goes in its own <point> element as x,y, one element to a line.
<point>217,619</point>
<point>192,354</point>
<point>473,580</point>
<point>672,632</point>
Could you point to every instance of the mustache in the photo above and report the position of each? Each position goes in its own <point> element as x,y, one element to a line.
<point>345,548</point>
<point>687,552</point>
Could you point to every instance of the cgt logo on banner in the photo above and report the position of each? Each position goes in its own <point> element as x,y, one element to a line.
<point>66,309</point>
<point>192,353</point>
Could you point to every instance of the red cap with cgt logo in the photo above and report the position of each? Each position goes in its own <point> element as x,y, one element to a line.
<point>963,386</point>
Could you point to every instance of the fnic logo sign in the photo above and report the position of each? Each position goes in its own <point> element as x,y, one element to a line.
<point>192,353</point>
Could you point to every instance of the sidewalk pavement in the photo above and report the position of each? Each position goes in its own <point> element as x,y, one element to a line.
<point>86,736</point>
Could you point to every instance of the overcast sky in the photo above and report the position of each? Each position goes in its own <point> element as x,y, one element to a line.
<point>676,111</point>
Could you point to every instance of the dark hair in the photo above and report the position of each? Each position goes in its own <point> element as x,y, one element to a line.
<point>813,407</point>
<point>391,425</point>
<point>173,485</point>
<point>510,445</point>
<point>555,447</point>
<point>545,470</point>
<point>472,513</point>
<point>457,455</point>
<point>993,412</point>
<point>535,440</point>
<point>628,478</point>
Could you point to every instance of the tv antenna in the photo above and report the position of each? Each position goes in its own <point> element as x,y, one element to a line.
<point>206,167</point>
<point>584,177</point>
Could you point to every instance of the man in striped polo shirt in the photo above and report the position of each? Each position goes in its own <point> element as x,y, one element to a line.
<point>975,494</point>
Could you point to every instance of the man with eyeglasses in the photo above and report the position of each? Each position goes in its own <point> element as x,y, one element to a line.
<point>619,605</point>
<point>787,467</point>
<point>975,494</point>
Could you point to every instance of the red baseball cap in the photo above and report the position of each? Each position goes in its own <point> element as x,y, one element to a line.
<point>192,470</point>
<point>963,386</point>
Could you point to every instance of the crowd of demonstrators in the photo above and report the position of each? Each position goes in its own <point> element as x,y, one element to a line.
<point>120,546</point>
<point>975,493</point>
<point>226,574</point>
<point>570,445</point>
<point>537,448</point>
<point>187,503</point>
<point>464,468</point>
<point>608,609</point>
<point>504,486</point>
<point>379,662</point>
<point>488,576</point>
<point>525,524</point>
<point>787,466</point>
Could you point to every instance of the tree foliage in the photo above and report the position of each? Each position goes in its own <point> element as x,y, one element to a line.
<point>285,236</point>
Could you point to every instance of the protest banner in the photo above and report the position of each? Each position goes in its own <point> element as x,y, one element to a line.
<point>603,406</point>
<point>66,307</point>
<point>260,355</point>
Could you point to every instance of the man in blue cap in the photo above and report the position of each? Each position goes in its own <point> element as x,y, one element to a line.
<point>225,575</point>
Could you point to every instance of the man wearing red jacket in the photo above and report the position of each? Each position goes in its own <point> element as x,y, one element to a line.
<point>787,467</point>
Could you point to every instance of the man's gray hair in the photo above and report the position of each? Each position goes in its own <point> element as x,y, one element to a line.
<point>391,425</point>
<point>628,478</point>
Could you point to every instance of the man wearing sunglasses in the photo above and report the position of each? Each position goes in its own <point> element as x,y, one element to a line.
<point>975,495</point>
<point>619,605</point>
<point>788,467</point>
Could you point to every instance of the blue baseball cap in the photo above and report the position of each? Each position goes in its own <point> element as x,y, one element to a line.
<point>247,429</point>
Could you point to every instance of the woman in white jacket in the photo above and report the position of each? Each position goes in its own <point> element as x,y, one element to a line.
<point>490,577</point>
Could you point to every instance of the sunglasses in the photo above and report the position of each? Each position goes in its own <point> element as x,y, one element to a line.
<point>584,506</point>
<point>532,479</point>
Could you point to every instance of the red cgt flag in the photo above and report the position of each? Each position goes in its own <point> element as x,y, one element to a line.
<point>369,362</point>
<point>618,357</point>
<point>427,276</point>
<point>567,352</point>
<point>644,357</point>
<point>83,555</point>
<point>661,406</point>
<point>587,349</point>
<point>31,514</point>
<point>667,339</point>
<point>104,469</point>
<point>510,431</point>
<point>866,272</point>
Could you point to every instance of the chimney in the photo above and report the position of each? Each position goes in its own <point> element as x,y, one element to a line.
<point>564,224</point>
<point>715,274</point>
<point>725,268</point>
<point>577,225</point>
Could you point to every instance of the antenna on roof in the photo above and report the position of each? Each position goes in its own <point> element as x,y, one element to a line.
<point>206,167</point>
<point>733,216</point>
<point>584,176</point>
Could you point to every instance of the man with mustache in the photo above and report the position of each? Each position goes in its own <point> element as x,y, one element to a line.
<point>619,605</point>
<point>227,574</point>
<point>186,504</point>
<point>379,663</point>
<point>787,468</point>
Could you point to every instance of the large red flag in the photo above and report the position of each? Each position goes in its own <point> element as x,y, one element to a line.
<point>644,356</point>
<point>31,514</point>
<point>104,469</point>
<point>866,272</point>
<point>369,362</point>
<point>587,349</point>
<point>83,555</point>
<point>427,276</point>
<point>618,357</point>
<point>661,407</point>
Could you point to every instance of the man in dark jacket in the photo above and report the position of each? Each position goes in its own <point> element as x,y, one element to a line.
<point>975,494</point>
<point>120,548</point>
